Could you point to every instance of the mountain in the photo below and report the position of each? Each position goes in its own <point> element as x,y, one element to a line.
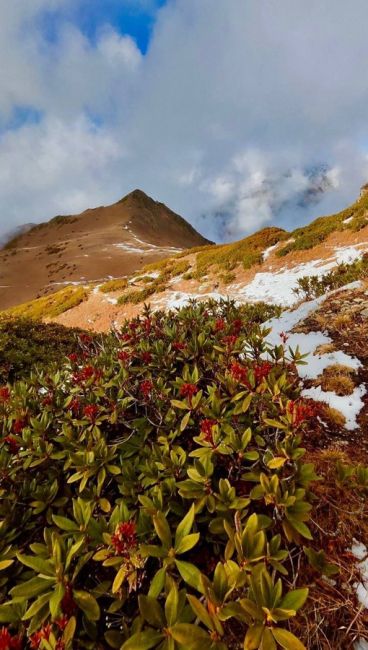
<point>15,233</point>
<point>98,244</point>
<point>266,266</point>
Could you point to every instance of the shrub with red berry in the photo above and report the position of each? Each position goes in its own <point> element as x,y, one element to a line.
<point>151,494</point>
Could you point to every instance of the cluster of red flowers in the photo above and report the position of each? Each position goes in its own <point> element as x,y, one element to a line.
<point>4,394</point>
<point>261,371</point>
<point>86,373</point>
<point>206,429</point>
<point>146,357</point>
<point>124,538</point>
<point>219,325</point>
<point>13,445</point>
<point>240,373</point>
<point>236,326</point>
<point>147,325</point>
<point>146,387</point>
<point>18,425</point>
<point>73,357</point>
<point>230,340</point>
<point>91,412</point>
<point>36,638</point>
<point>300,412</point>
<point>188,390</point>
<point>9,642</point>
<point>177,345</point>
<point>86,339</point>
<point>123,356</point>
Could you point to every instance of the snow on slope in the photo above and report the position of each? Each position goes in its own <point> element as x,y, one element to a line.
<point>349,405</point>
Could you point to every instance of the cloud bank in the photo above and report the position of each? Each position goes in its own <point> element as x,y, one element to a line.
<point>239,115</point>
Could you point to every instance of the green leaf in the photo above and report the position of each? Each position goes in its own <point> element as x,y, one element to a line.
<point>56,599</point>
<point>118,580</point>
<point>200,611</point>
<point>191,637</point>
<point>9,614</point>
<point>162,529</point>
<point>30,588</point>
<point>180,404</point>
<point>190,574</point>
<point>151,611</point>
<point>37,564</point>
<point>143,640</point>
<point>253,637</point>
<point>294,599</point>
<point>36,606</point>
<point>157,584</point>
<point>70,630</point>
<point>64,523</point>
<point>88,604</point>
<point>300,527</point>
<point>184,422</point>
<point>185,526</point>
<point>287,640</point>
<point>4,564</point>
<point>171,605</point>
<point>187,543</point>
<point>276,463</point>
<point>246,403</point>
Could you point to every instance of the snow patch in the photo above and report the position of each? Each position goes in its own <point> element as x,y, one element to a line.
<point>349,405</point>
<point>278,287</point>
<point>315,364</point>
<point>360,551</point>
<point>348,254</point>
<point>269,250</point>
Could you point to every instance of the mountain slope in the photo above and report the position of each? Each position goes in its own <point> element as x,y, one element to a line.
<point>253,269</point>
<point>100,243</point>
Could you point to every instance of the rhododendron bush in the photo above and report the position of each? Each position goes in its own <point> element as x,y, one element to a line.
<point>153,491</point>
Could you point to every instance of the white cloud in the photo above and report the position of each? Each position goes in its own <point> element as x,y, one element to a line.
<point>228,118</point>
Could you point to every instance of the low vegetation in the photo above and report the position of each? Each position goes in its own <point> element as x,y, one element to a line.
<point>50,306</point>
<point>154,493</point>
<point>226,257</point>
<point>26,344</point>
<point>313,286</point>
<point>352,218</point>
<point>114,285</point>
<point>338,379</point>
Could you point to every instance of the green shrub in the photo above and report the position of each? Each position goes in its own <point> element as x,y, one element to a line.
<point>50,306</point>
<point>313,286</point>
<point>153,490</point>
<point>114,285</point>
<point>26,344</point>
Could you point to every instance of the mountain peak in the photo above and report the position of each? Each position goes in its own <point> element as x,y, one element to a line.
<point>137,195</point>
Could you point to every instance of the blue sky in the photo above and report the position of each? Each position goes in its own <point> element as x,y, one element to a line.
<point>133,17</point>
<point>237,114</point>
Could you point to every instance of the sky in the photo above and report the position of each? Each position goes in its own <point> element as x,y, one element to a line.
<point>238,114</point>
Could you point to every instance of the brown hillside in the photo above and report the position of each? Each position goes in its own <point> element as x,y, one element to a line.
<point>104,242</point>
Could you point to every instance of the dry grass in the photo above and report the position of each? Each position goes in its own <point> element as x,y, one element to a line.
<point>333,619</point>
<point>325,348</point>
<point>50,306</point>
<point>337,378</point>
<point>114,285</point>
<point>334,416</point>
